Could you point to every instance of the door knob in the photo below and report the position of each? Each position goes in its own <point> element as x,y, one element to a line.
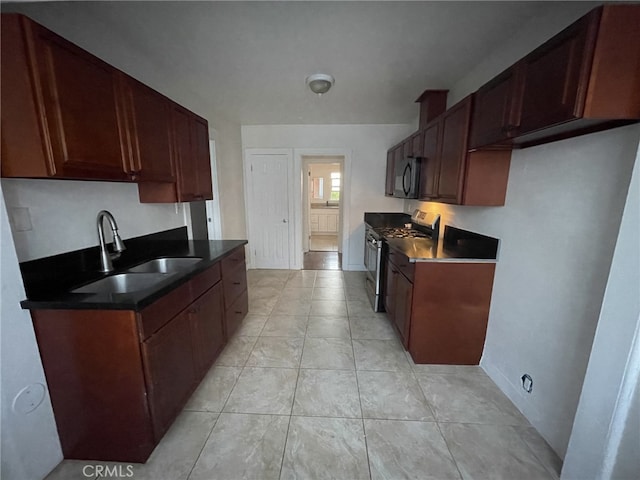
<point>284,220</point>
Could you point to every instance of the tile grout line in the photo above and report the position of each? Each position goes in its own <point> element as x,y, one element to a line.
<point>204,445</point>
<point>364,430</point>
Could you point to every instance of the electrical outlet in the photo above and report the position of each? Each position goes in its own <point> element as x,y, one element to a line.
<point>527,382</point>
<point>20,219</point>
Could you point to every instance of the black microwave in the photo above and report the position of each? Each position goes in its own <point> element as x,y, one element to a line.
<point>407,178</point>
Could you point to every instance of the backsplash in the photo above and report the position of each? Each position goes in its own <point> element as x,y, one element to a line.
<point>48,217</point>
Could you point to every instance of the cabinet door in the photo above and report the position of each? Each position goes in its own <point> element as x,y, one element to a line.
<point>83,114</point>
<point>185,160</point>
<point>389,179</point>
<point>430,161</point>
<point>207,318</point>
<point>455,128</point>
<point>556,76</point>
<point>403,300</point>
<point>322,222</point>
<point>169,370</point>
<point>496,115</point>
<point>416,145</point>
<point>150,125</point>
<point>332,223</point>
<point>389,289</point>
<point>202,161</point>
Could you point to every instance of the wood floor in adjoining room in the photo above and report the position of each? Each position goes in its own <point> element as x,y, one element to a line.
<point>322,261</point>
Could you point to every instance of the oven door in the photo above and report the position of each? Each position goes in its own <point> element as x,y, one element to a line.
<point>372,260</point>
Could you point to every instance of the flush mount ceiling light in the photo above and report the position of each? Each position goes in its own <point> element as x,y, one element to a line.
<point>320,83</point>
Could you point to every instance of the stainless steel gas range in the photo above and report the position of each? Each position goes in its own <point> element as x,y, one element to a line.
<point>377,227</point>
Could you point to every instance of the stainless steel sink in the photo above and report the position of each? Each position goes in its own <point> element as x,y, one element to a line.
<point>165,265</point>
<point>122,283</point>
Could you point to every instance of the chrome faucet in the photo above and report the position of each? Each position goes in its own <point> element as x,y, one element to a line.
<point>118,244</point>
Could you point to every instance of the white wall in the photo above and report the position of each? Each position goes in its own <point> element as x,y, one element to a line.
<point>605,441</point>
<point>63,214</point>
<point>364,186</point>
<point>557,231</point>
<point>30,446</point>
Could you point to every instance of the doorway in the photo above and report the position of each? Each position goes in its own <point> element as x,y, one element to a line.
<point>323,212</point>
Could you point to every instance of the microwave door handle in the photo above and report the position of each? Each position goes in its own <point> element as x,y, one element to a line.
<point>404,177</point>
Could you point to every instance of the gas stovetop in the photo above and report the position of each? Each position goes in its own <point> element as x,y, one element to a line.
<point>399,232</point>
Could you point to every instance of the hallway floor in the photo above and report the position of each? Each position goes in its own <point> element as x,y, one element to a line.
<point>315,385</point>
<point>323,243</point>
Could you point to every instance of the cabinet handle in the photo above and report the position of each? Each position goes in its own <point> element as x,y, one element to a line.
<point>236,283</point>
<point>238,312</point>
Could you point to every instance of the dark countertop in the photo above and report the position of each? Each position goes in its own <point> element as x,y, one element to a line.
<point>456,245</point>
<point>426,250</point>
<point>48,281</point>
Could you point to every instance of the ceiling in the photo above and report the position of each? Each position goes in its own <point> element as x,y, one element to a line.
<point>247,61</point>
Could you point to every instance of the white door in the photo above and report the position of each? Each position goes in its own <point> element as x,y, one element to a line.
<point>268,209</point>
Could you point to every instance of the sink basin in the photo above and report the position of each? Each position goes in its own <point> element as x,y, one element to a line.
<point>122,283</point>
<point>165,265</point>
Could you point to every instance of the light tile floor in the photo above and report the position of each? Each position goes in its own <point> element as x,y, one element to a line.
<point>315,385</point>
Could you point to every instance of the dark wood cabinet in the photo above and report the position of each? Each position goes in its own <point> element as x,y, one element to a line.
<point>389,177</point>
<point>170,371</point>
<point>192,163</point>
<point>450,173</point>
<point>398,296</point>
<point>453,151</point>
<point>65,101</point>
<point>207,327</point>
<point>149,117</point>
<point>430,166</point>
<point>128,374</point>
<point>496,112</point>
<point>234,282</point>
<point>67,114</point>
<point>555,76</point>
<point>415,144</point>
<point>440,309</point>
<point>449,317</point>
<point>391,273</point>
<point>404,298</point>
<point>582,80</point>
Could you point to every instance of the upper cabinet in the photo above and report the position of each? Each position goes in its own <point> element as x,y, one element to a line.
<point>495,116</point>
<point>192,151</point>
<point>149,117</point>
<point>61,110</point>
<point>67,114</point>
<point>582,80</point>
<point>452,174</point>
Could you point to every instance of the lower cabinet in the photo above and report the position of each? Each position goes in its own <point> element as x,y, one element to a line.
<point>207,328</point>
<point>440,309</point>
<point>234,282</point>
<point>118,378</point>
<point>169,369</point>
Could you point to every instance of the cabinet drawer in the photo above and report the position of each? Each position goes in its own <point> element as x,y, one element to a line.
<point>235,282</point>
<point>205,280</point>
<point>232,261</point>
<point>402,262</point>
<point>152,318</point>
<point>235,313</point>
